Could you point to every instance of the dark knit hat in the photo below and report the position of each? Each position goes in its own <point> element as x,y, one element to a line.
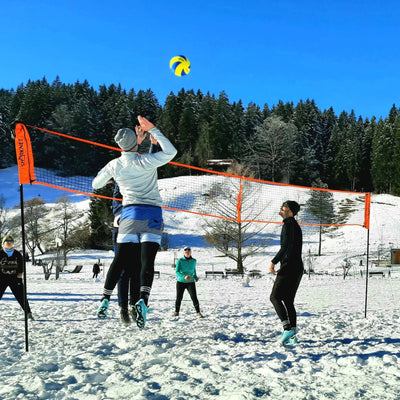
<point>293,205</point>
<point>126,139</point>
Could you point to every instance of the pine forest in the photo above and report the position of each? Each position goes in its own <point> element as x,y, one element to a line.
<point>292,143</point>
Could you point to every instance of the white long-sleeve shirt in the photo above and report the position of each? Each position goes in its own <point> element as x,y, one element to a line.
<point>136,175</point>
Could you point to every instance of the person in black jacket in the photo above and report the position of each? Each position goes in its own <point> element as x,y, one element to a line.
<point>11,268</point>
<point>290,273</point>
<point>96,270</point>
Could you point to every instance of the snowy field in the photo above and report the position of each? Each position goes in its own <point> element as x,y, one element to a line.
<point>232,353</point>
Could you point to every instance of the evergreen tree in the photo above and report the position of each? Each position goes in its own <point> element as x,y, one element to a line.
<point>222,128</point>
<point>252,118</point>
<point>237,148</point>
<point>203,150</point>
<point>396,151</point>
<point>101,219</point>
<point>328,122</point>
<point>366,156</point>
<point>330,158</point>
<point>171,115</point>
<point>187,128</point>
<point>307,119</point>
<point>7,150</point>
<point>321,205</point>
<point>283,111</point>
<point>383,157</point>
<point>343,158</point>
<point>147,105</point>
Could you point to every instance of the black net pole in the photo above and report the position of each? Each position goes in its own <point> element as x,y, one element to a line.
<point>21,192</point>
<point>366,276</point>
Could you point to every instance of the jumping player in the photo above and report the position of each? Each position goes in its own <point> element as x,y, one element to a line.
<point>141,223</point>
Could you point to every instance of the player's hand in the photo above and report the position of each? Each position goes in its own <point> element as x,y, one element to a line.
<point>187,278</point>
<point>141,134</point>
<point>272,268</point>
<point>145,124</point>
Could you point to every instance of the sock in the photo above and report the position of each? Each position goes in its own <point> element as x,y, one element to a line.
<point>145,293</point>
<point>145,297</point>
<point>286,325</point>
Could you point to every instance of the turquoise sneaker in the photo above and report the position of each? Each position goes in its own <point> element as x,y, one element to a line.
<point>286,335</point>
<point>293,340</point>
<point>133,313</point>
<point>141,311</point>
<point>103,309</point>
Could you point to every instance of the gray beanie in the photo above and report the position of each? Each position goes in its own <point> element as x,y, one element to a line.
<point>126,139</point>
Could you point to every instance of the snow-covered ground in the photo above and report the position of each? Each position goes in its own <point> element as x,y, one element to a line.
<point>230,354</point>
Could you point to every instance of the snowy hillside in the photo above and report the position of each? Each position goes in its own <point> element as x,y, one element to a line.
<point>185,228</point>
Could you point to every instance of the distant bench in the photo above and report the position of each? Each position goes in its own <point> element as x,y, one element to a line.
<point>157,273</point>
<point>215,273</point>
<point>77,269</point>
<point>234,273</point>
<point>380,273</point>
<point>255,273</point>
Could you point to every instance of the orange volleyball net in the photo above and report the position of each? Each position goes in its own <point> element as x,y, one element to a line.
<point>194,190</point>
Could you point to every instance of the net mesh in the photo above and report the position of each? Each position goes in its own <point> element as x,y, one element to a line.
<point>200,191</point>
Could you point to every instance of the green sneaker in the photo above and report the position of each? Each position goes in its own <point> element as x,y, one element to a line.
<point>103,309</point>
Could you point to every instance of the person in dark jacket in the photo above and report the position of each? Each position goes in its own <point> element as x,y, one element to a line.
<point>290,273</point>
<point>96,270</point>
<point>11,268</point>
<point>187,277</point>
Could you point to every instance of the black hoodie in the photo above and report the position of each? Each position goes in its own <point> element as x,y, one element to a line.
<point>289,254</point>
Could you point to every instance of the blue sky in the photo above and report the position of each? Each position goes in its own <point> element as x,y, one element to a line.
<point>343,54</point>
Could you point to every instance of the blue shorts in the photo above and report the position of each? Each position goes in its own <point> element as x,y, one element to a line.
<point>140,223</point>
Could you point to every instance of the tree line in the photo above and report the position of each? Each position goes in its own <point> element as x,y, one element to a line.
<point>297,144</point>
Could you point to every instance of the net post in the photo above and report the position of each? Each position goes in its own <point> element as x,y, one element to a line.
<point>21,190</point>
<point>239,202</point>
<point>24,154</point>
<point>366,277</point>
<point>367,225</point>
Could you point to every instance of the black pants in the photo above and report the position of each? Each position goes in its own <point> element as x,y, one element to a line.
<point>16,286</point>
<point>137,261</point>
<point>128,290</point>
<point>180,289</point>
<point>282,297</point>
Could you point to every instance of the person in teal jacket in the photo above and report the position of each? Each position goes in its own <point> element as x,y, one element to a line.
<point>187,278</point>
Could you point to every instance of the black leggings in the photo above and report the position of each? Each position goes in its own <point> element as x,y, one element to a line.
<point>180,289</point>
<point>137,260</point>
<point>282,297</point>
<point>17,287</point>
